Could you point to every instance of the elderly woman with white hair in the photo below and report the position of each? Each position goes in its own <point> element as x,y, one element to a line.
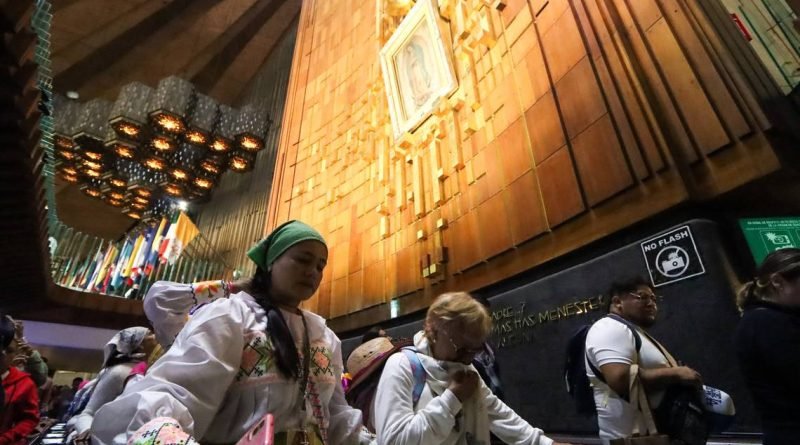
<point>121,354</point>
<point>454,406</point>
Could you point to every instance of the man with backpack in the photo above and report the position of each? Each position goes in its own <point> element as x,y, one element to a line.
<point>620,352</point>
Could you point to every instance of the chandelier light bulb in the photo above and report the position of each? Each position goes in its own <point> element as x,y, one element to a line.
<point>162,144</point>
<point>124,152</point>
<point>93,155</point>
<point>129,130</point>
<point>203,183</point>
<point>92,191</point>
<point>143,193</point>
<point>250,143</point>
<point>220,146</point>
<point>196,137</point>
<point>169,123</point>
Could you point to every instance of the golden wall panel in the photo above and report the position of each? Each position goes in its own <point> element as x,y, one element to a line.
<point>570,118</point>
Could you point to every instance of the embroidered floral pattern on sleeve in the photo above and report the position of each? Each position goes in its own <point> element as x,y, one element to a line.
<point>321,361</point>
<point>258,358</point>
<point>208,291</point>
<point>161,431</point>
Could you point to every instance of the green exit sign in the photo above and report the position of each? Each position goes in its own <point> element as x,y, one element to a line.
<point>765,235</point>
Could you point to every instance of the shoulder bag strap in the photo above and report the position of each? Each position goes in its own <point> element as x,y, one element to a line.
<point>638,399</point>
<point>418,372</point>
<point>670,359</point>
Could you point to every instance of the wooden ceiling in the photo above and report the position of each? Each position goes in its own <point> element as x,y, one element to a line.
<point>100,45</point>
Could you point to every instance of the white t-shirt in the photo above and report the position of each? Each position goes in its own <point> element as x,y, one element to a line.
<point>610,341</point>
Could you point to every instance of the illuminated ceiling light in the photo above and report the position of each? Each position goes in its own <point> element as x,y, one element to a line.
<point>203,183</point>
<point>250,143</point>
<point>183,205</point>
<point>129,114</point>
<point>93,165</point>
<point>117,183</point>
<point>133,213</point>
<point>173,190</point>
<point>67,155</point>
<point>93,128</point>
<point>115,195</point>
<point>169,123</point>
<point>162,144</point>
<point>92,173</point>
<point>68,170</point>
<point>220,146</point>
<point>139,206</point>
<point>143,193</point>
<point>210,167</point>
<point>63,143</point>
<point>195,137</point>
<point>179,174</point>
<point>115,202</point>
<point>72,179</point>
<point>129,130</point>
<point>238,164</point>
<point>93,155</point>
<point>125,151</point>
<point>241,161</point>
<point>172,99</point>
<point>155,137</point>
<point>251,128</point>
<point>200,122</point>
<point>155,163</point>
<point>92,191</point>
<point>141,200</point>
<point>223,137</point>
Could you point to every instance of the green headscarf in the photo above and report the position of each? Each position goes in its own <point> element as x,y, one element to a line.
<point>282,238</point>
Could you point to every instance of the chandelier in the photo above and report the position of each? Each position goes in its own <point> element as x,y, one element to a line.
<point>151,146</point>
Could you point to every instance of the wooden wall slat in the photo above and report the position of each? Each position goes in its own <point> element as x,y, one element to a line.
<point>580,118</point>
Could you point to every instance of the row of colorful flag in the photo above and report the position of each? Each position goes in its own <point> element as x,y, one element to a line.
<point>125,263</point>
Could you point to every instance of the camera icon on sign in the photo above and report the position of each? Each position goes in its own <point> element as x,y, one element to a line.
<point>778,239</point>
<point>673,262</point>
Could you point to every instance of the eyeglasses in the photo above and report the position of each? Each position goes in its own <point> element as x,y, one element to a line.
<point>462,351</point>
<point>645,298</point>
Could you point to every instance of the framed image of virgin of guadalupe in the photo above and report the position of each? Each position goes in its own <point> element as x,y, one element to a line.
<point>416,66</point>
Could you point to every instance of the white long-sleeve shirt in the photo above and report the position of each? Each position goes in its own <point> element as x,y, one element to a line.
<point>109,385</point>
<point>433,420</point>
<point>220,377</point>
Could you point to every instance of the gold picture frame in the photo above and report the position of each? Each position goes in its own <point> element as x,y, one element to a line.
<point>417,68</point>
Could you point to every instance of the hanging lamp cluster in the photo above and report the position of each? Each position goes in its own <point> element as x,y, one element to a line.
<point>154,144</point>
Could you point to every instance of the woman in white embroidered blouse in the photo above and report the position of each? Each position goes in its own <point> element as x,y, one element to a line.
<point>240,358</point>
<point>455,406</point>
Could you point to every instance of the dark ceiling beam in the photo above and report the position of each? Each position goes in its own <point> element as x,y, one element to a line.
<point>209,65</point>
<point>279,30</point>
<point>76,64</point>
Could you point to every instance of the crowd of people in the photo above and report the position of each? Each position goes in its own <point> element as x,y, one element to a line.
<point>223,356</point>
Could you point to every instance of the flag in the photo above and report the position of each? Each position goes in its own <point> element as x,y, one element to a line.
<point>91,267</point>
<point>141,257</point>
<point>162,248</point>
<point>106,268</point>
<point>185,231</point>
<point>152,256</point>
<point>119,265</point>
<point>126,273</point>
